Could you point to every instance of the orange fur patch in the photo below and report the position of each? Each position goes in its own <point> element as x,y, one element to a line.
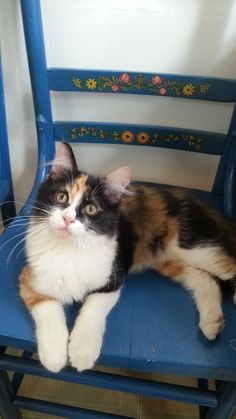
<point>147,212</point>
<point>225,265</point>
<point>171,230</point>
<point>171,269</point>
<point>79,185</point>
<point>28,295</point>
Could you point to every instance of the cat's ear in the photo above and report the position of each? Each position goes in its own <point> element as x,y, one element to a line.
<point>116,183</point>
<point>63,161</point>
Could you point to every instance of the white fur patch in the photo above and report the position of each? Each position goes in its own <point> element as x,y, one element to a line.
<point>87,334</point>
<point>207,296</point>
<point>205,257</point>
<point>51,334</point>
<point>67,267</point>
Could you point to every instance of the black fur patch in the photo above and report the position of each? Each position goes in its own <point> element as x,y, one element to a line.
<point>196,226</point>
<point>124,258</point>
<point>228,287</point>
<point>155,244</point>
<point>173,204</point>
<point>116,278</point>
<point>105,221</point>
<point>46,198</point>
<point>126,243</point>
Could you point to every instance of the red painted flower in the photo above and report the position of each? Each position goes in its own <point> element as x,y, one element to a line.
<point>124,78</point>
<point>156,80</point>
<point>115,87</point>
<point>162,91</point>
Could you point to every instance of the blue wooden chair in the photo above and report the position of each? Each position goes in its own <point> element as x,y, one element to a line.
<point>6,190</point>
<point>153,327</point>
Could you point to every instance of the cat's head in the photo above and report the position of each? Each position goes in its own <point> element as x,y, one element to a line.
<point>71,202</point>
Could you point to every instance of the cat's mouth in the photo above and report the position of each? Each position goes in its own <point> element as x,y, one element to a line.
<point>65,229</point>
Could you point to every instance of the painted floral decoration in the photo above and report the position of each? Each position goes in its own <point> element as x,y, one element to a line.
<point>91,84</point>
<point>153,84</point>
<point>188,89</point>
<point>127,136</point>
<point>154,137</point>
<point>142,137</point>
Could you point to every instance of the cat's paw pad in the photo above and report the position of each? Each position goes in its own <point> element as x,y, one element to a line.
<point>83,359</point>
<point>211,328</point>
<point>83,352</point>
<point>52,350</point>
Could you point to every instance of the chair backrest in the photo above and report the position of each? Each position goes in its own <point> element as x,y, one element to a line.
<point>6,189</point>
<point>200,88</point>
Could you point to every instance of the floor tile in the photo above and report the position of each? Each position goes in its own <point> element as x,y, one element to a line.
<point>152,409</point>
<point>82,396</point>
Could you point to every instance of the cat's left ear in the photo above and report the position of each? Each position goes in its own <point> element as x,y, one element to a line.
<point>116,183</point>
<point>64,161</point>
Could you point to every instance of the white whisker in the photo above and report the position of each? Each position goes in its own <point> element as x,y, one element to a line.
<point>41,229</point>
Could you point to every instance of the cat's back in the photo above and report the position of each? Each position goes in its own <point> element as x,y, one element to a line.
<point>160,217</point>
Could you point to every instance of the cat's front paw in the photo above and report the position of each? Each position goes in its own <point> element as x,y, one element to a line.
<point>84,349</point>
<point>211,327</point>
<point>52,349</point>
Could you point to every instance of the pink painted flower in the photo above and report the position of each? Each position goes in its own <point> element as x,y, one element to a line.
<point>156,80</point>
<point>115,87</point>
<point>162,91</point>
<point>125,78</point>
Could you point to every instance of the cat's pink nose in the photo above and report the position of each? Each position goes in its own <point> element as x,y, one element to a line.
<point>68,219</point>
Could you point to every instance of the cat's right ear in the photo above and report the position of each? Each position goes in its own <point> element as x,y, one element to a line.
<point>64,161</point>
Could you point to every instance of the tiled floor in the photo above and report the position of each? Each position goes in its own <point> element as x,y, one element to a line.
<point>103,400</point>
<point>106,400</point>
<point>109,401</point>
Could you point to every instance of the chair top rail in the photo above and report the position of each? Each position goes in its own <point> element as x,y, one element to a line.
<point>155,84</point>
<point>132,134</point>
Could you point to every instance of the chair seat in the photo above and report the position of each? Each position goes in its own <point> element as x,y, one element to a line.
<point>154,326</point>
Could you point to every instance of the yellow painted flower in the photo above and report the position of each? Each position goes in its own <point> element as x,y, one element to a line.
<point>188,89</point>
<point>77,82</point>
<point>91,84</point>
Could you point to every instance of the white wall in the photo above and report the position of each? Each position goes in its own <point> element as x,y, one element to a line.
<point>174,36</point>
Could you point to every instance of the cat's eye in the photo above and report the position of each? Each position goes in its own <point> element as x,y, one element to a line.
<point>62,197</point>
<point>91,209</point>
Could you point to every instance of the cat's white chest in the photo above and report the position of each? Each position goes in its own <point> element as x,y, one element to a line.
<point>66,271</point>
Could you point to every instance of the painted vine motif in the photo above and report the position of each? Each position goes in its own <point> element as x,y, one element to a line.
<point>155,84</point>
<point>142,137</point>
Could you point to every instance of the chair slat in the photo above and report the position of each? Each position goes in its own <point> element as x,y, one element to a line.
<point>172,85</point>
<point>155,136</point>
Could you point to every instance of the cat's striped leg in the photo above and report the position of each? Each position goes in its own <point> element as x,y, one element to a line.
<point>205,291</point>
<point>87,334</point>
<point>50,324</point>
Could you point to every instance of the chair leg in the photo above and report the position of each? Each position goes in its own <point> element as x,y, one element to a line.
<point>227,402</point>
<point>7,410</point>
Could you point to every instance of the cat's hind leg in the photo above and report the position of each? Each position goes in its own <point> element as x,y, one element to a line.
<point>205,290</point>
<point>223,267</point>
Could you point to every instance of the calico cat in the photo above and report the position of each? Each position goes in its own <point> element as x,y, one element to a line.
<point>86,233</point>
